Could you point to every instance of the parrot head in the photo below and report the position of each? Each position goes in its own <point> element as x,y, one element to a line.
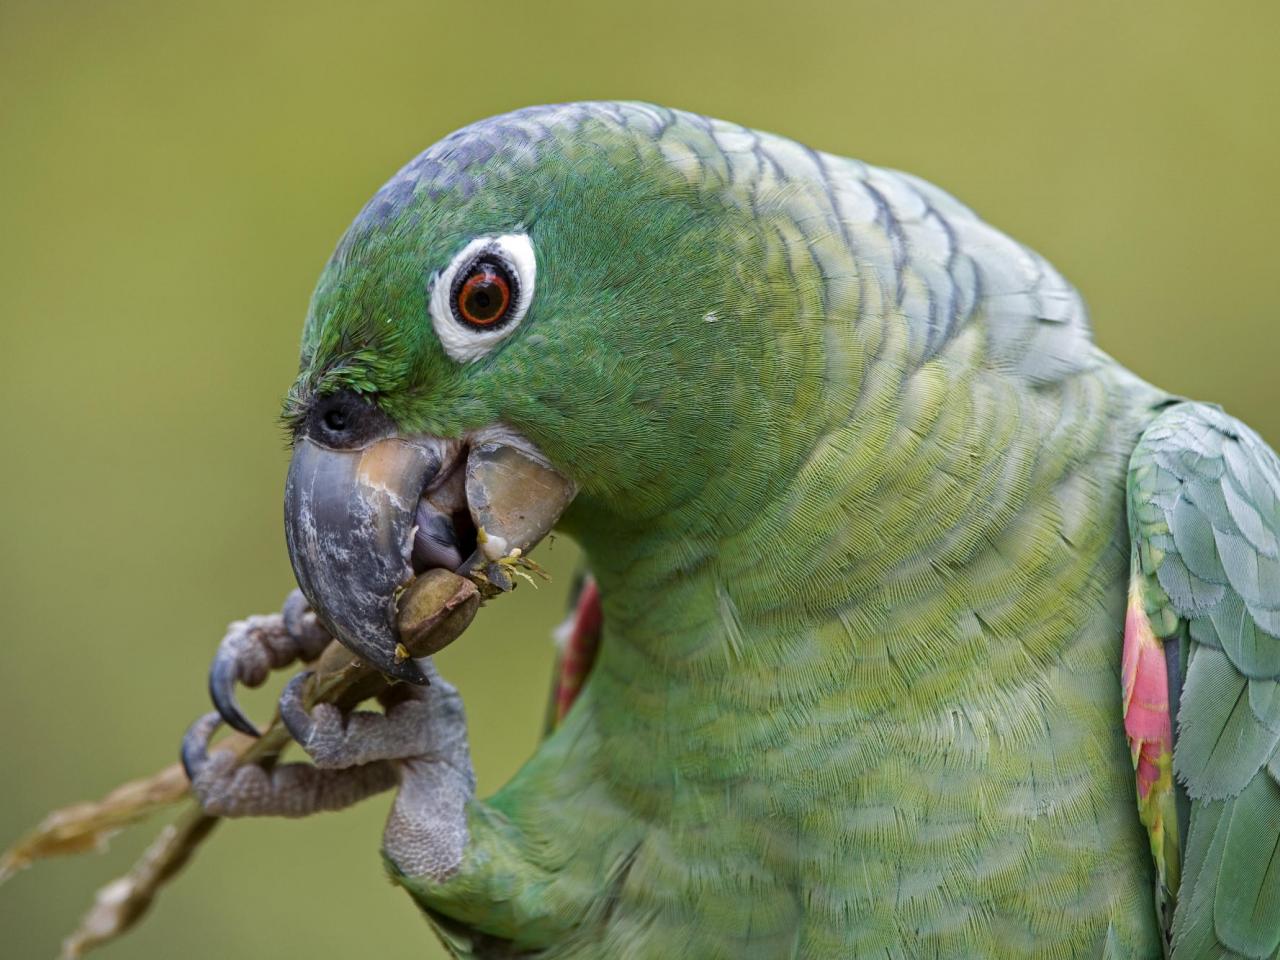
<point>551,310</point>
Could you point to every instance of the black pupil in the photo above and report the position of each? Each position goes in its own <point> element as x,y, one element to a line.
<point>336,420</point>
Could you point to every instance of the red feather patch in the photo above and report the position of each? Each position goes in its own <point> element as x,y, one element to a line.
<point>1148,725</point>
<point>1146,694</point>
<point>580,647</point>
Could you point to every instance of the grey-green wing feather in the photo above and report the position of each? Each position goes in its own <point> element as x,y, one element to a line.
<point>1205,516</point>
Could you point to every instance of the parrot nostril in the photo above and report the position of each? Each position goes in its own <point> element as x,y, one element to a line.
<point>336,420</point>
<point>346,420</point>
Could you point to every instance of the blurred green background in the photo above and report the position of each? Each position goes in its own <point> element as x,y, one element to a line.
<point>173,176</point>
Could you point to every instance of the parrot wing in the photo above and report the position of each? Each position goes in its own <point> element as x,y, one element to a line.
<point>1202,645</point>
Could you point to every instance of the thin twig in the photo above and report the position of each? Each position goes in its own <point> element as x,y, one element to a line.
<point>434,610</point>
<point>87,827</point>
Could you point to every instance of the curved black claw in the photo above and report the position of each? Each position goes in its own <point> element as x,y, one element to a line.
<point>223,673</point>
<point>255,646</point>
<point>293,713</point>
<point>195,744</point>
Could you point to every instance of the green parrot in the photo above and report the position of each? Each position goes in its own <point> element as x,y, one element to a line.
<point>917,626</point>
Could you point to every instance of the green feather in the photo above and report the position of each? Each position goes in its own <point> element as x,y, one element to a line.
<point>1222,743</point>
<point>1255,652</point>
<point>1246,910</point>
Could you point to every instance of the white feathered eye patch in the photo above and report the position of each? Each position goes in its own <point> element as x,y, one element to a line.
<point>482,295</point>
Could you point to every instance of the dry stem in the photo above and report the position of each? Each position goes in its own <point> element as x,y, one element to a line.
<point>434,611</point>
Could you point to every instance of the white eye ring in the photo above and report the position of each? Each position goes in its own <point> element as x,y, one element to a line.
<point>466,342</point>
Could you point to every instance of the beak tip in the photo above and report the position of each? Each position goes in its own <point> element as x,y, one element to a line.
<point>406,670</point>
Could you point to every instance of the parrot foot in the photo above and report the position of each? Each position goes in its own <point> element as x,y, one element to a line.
<point>227,789</point>
<point>423,733</point>
<point>252,648</point>
<point>419,721</point>
<point>353,754</point>
<point>419,743</point>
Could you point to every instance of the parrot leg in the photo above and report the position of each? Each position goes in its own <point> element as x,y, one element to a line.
<point>252,648</point>
<point>426,832</point>
<point>425,729</point>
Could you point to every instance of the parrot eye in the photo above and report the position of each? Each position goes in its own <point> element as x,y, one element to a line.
<point>481,297</point>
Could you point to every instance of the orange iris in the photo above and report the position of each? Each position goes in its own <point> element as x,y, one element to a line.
<point>485,296</point>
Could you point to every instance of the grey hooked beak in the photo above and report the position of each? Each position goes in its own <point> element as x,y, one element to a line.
<point>349,519</point>
<point>362,521</point>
